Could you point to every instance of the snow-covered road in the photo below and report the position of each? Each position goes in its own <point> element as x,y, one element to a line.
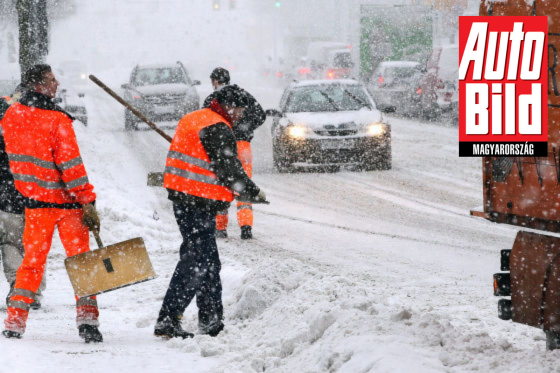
<point>348,272</point>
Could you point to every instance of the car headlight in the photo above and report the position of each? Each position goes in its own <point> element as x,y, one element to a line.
<point>298,131</point>
<point>83,76</point>
<point>375,129</point>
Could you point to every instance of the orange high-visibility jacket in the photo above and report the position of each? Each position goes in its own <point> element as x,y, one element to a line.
<point>44,156</point>
<point>187,168</point>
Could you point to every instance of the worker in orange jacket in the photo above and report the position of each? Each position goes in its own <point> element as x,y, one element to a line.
<point>48,170</point>
<point>202,175</point>
<point>253,117</point>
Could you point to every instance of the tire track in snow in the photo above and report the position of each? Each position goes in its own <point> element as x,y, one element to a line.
<point>369,232</point>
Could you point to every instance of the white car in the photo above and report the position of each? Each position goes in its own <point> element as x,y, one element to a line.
<point>329,122</point>
<point>74,74</point>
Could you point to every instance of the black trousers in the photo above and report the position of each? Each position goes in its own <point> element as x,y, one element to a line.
<point>198,270</point>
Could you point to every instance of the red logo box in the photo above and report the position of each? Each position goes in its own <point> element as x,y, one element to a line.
<point>503,93</point>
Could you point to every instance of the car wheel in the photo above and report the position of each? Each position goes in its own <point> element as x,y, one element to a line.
<point>431,113</point>
<point>280,161</point>
<point>129,123</point>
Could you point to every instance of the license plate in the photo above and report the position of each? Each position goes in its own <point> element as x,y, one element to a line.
<point>337,144</point>
<point>164,109</point>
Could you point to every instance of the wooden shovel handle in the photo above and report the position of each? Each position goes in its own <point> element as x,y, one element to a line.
<point>112,93</point>
<point>97,238</point>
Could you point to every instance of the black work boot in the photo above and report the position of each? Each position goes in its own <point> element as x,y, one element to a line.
<point>211,326</point>
<point>10,334</point>
<point>90,333</point>
<point>246,233</point>
<point>221,233</point>
<point>168,327</point>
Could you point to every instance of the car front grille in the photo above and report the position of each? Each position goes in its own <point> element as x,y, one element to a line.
<point>164,99</point>
<point>343,129</point>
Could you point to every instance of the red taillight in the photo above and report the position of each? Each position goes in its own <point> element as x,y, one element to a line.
<point>330,74</point>
<point>419,91</point>
<point>137,97</point>
<point>304,70</point>
<point>279,74</point>
<point>380,80</point>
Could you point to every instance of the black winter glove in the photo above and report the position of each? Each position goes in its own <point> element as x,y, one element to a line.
<point>90,218</point>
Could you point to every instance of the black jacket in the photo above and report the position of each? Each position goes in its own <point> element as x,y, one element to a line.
<point>220,145</point>
<point>253,117</point>
<point>10,199</point>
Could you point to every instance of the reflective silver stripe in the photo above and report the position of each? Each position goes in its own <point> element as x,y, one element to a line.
<point>23,292</point>
<point>69,164</point>
<point>78,182</point>
<point>41,183</point>
<point>86,302</point>
<point>190,160</point>
<point>19,304</point>
<point>192,176</point>
<point>31,159</point>
<point>244,207</point>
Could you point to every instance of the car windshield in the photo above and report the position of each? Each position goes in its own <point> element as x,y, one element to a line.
<point>314,99</point>
<point>448,64</point>
<point>153,76</point>
<point>402,75</point>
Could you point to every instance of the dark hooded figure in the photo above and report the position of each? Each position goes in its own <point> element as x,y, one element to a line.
<point>253,117</point>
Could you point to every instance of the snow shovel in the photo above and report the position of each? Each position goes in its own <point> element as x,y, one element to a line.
<point>109,268</point>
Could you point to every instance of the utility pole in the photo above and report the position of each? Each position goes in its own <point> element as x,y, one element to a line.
<point>33,33</point>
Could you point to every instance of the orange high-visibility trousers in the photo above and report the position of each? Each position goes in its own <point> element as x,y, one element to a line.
<point>37,238</point>
<point>244,210</point>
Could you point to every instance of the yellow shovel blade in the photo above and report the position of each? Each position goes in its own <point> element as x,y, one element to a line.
<point>109,268</point>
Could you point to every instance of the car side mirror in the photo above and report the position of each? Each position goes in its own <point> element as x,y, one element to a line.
<point>57,100</point>
<point>81,94</point>
<point>196,82</point>
<point>126,86</point>
<point>273,113</point>
<point>63,91</point>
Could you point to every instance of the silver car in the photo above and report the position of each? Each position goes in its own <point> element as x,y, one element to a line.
<point>161,92</point>
<point>329,123</point>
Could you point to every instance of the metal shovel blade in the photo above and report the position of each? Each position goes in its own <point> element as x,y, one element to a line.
<point>109,268</point>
